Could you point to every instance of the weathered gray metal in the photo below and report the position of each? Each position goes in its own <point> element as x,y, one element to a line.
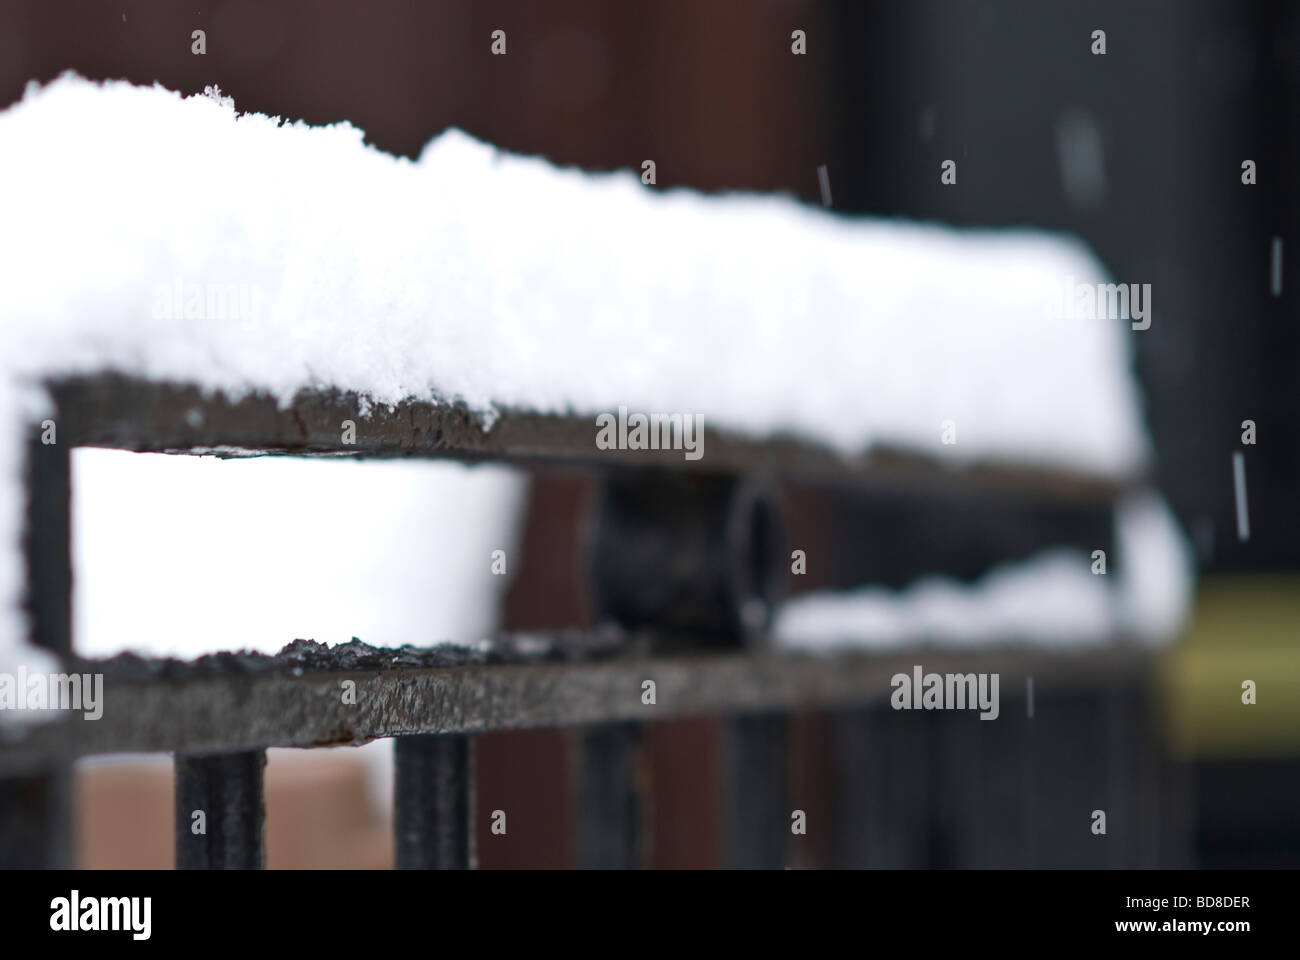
<point>129,414</point>
<point>432,798</point>
<point>308,696</point>
<point>220,817</point>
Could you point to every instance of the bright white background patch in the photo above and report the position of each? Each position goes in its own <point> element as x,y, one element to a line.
<point>182,556</point>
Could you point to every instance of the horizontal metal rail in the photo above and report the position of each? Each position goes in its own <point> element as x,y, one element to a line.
<point>219,713</point>
<point>129,414</point>
<point>231,704</point>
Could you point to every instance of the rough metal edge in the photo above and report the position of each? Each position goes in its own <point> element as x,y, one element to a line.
<point>232,711</point>
<point>121,412</point>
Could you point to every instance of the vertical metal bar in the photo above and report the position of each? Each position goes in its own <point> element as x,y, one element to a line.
<point>958,824</point>
<point>1125,777</point>
<point>608,796</point>
<point>431,799</point>
<point>220,816</point>
<point>36,812</point>
<point>1168,800</point>
<point>881,768</point>
<point>757,783</point>
<point>1067,780</point>
<point>1150,826</point>
<point>810,789</point>
<point>856,768</point>
<point>977,786</point>
<point>1005,768</point>
<point>47,542</point>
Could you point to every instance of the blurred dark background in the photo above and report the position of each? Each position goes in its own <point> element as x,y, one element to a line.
<point>1138,151</point>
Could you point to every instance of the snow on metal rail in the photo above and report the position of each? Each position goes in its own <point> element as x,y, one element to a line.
<point>219,714</point>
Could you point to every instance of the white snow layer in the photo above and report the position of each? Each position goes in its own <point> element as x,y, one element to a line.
<point>1053,599</point>
<point>503,281</point>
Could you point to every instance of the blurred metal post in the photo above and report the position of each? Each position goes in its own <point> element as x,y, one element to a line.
<point>1067,779</point>
<point>880,763</point>
<point>227,790</point>
<point>35,819</point>
<point>608,796</point>
<point>431,800</point>
<point>757,821</point>
<point>1150,799</point>
<point>977,784</point>
<point>36,811</point>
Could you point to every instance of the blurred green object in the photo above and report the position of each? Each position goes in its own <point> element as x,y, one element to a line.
<point>1243,627</point>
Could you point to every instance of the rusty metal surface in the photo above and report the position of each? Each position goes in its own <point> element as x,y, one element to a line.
<point>432,798</point>
<point>130,414</point>
<point>302,696</point>
<point>228,791</point>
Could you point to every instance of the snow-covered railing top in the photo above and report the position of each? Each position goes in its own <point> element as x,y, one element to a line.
<point>170,239</point>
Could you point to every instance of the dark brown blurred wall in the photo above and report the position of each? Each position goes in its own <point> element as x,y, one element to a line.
<point>709,89</point>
